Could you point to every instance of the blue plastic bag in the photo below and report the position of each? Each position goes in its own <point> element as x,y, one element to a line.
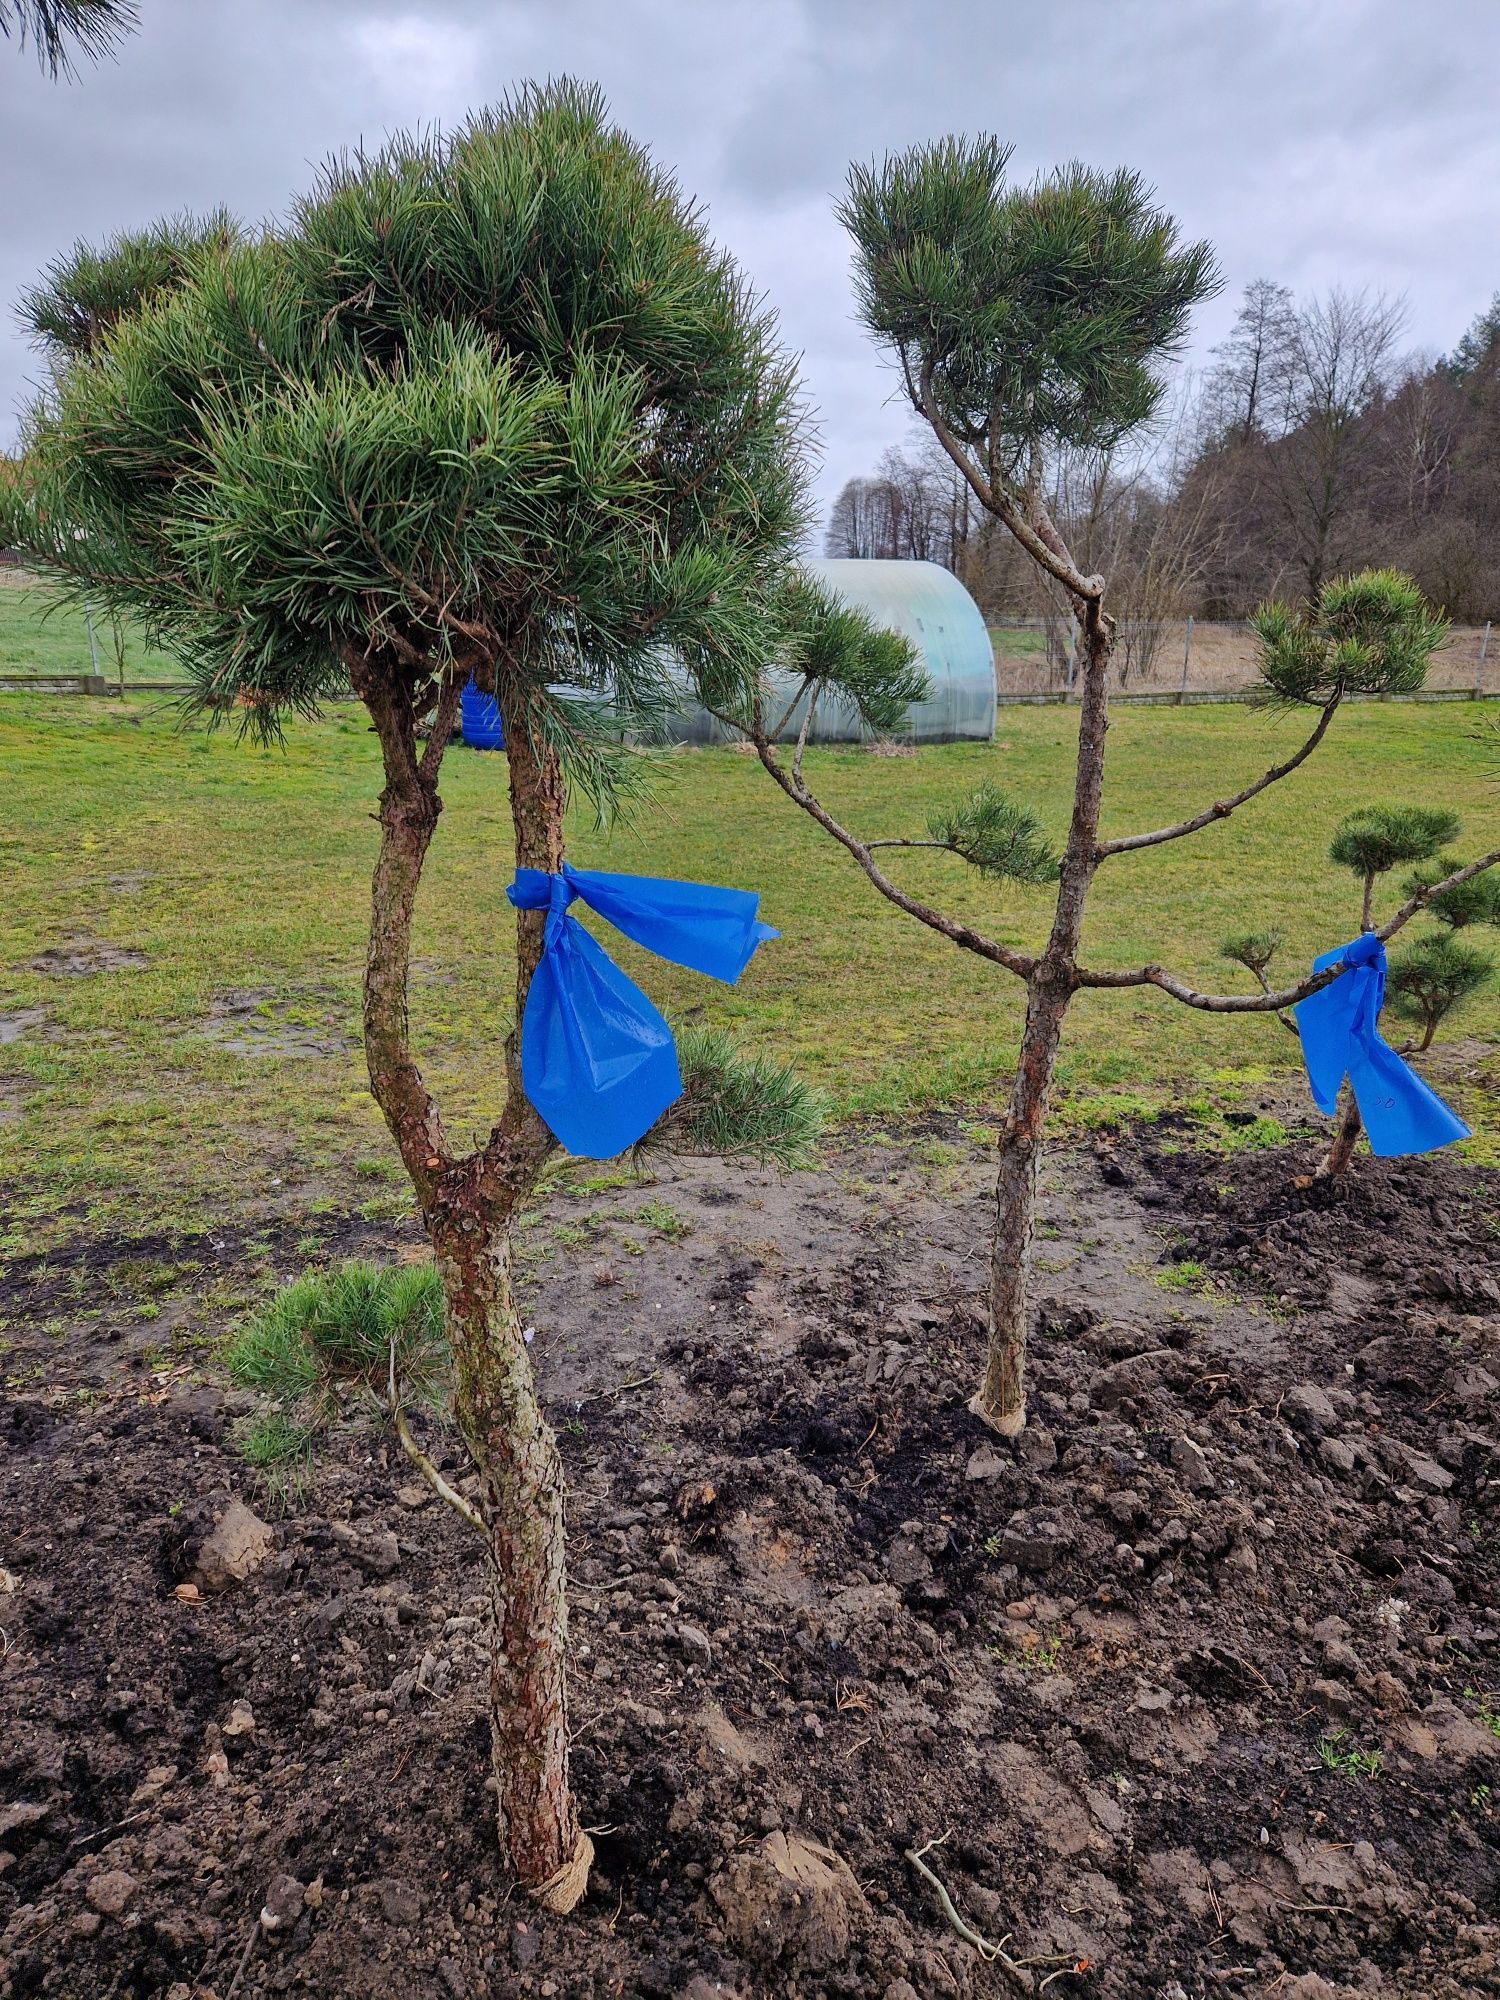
<point>597,1059</point>
<point>1340,1038</point>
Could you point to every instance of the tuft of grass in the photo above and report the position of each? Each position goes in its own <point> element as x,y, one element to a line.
<point>1486,1710</point>
<point>323,1344</point>
<point>1334,1754</point>
<point>1033,1655</point>
<point>664,1219</point>
<point>1188,1276</point>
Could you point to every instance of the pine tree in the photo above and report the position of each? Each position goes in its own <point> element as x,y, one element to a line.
<point>1025,322</point>
<point>488,404</point>
<point>1429,978</point>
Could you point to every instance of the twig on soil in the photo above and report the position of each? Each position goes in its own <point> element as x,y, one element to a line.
<point>619,1389</point>
<point>107,1832</point>
<point>462,1507</point>
<point>234,1984</point>
<point>993,1954</point>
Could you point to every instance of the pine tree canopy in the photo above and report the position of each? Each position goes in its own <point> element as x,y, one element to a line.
<point>1252,949</point>
<point>1476,901</point>
<point>1377,838</point>
<point>490,399</point>
<point>1036,316</point>
<point>1372,633</point>
<point>1431,976</point>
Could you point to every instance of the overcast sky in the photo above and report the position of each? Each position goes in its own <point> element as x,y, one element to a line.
<point>1352,142</point>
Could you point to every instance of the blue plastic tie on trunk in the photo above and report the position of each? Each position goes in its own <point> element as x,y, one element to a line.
<point>597,1059</point>
<point>1339,1038</point>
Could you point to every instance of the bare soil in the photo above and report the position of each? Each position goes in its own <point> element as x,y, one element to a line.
<point>1256,1512</point>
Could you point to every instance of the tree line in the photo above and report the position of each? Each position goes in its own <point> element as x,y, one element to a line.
<point>1312,446</point>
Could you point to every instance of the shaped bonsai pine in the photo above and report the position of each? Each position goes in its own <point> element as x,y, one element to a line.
<point>489,404</point>
<point>1026,322</point>
<point>1435,972</point>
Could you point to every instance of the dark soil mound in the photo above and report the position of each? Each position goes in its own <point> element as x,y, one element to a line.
<point>1199,1684</point>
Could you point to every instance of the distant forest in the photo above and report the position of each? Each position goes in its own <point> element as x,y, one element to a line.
<point>1312,446</point>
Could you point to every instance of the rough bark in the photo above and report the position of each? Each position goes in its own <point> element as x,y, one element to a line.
<point>1340,1152</point>
<point>467,1206</point>
<point>1001,1398</point>
<point>521,1500</point>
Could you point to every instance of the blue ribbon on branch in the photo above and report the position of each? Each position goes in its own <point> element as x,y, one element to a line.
<point>597,1059</point>
<point>1340,1038</point>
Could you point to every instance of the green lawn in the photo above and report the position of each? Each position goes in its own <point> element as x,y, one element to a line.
<point>243,870</point>
<point>40,635</point>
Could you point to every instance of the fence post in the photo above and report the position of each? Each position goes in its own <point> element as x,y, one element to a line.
<point>1072,650</point>
<point>96,683</point>
<point>1187,647</point>
<point>1484,647</point>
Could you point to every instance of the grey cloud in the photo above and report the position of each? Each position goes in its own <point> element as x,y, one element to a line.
<point>1350,142</point>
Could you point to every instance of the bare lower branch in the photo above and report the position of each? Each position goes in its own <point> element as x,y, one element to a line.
<point>1267,1002</point>
<point>1211,1003</point>
<point>1265,986</point>
<point>802,735</point>
<point>1018,962</point>
<point>1221,808</point>
<point>464,1509</point>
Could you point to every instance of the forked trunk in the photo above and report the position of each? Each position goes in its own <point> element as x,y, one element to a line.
<point>1001,1397</point>
<point>521,1499</point>
<point>468,1205</point>
<point>1335,1162</point>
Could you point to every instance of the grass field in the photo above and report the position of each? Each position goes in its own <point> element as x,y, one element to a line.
<point>39,635</point>
<point>130,1096</point>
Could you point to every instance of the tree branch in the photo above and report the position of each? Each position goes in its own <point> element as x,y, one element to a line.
<point>1020,963</point>
<point>450,694</point>
<point>1267,1002</point>
<point>1221,808</point>
<point>1423,897</point>
<point>464,1509</point>
<point>409,808</point>
<point>1056,561</point>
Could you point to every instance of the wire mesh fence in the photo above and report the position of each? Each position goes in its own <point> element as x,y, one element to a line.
<point>1197,658</point>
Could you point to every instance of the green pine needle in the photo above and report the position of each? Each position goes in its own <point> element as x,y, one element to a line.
<point>1371,633</point>
<point>733,1104</point>
<point>1476,901</point>
<point>1378,838</point>
<point>323,1342</point>
<point>1253,949</point>
<point>1431,977</point>
<point>1000,838</point>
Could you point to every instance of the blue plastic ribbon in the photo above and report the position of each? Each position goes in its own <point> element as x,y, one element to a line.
<point>1340,1038</point>
<point>597,1059</point>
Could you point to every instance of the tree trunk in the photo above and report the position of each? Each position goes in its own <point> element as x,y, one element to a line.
<point>1001,1397</point>
<point>1345,1138</point>
<point>521,1499</point>
<point>467,1206</point>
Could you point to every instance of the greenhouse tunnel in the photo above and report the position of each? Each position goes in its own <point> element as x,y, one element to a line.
<point>931,607</point>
